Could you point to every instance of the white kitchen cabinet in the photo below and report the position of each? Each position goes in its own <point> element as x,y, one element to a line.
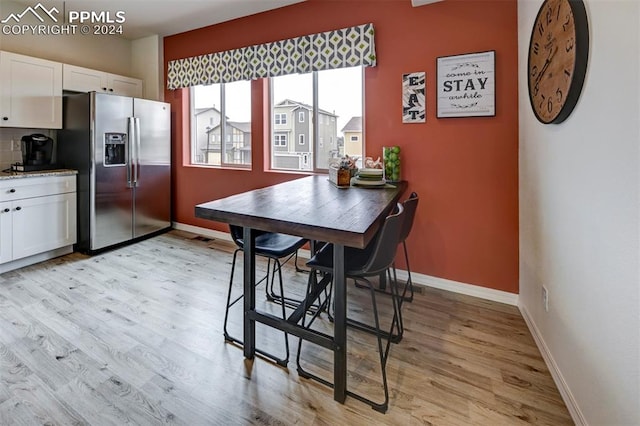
<point>37,219</point>
<point>30,93</point>
<point>79,79</point>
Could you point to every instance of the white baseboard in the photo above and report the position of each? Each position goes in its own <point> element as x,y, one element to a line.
<point>556,374</point>
<point>40,257</point>
<point>205,232</point>
<point>461,288</point>
<point>418,279</point>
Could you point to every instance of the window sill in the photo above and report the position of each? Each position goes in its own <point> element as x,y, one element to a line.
<point>212,167</point>
<point>297,172</point>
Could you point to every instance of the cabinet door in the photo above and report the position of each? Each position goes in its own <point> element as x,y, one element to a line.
<point>79,79</point>
<point>125,86</point>
<point>5,233</point>
<point>30,93</point>
<point>43,223</point>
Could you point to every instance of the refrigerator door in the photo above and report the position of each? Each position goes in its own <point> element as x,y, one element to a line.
<point>112,195</point>
<point>152,166</point>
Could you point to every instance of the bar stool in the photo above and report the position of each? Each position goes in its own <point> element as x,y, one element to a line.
<point>360,265</point>
<point>410,206</point>
<point>273,246</point>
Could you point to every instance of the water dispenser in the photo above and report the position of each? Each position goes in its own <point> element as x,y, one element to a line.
<point>115,151</point>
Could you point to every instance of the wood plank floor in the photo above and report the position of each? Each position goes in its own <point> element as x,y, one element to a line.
<point>134,336</point>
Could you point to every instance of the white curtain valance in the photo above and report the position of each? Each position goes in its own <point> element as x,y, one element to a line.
<point>341,48</point>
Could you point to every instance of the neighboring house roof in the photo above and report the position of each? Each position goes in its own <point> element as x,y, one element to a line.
<point>289,102</point>
<point>353,125</point>
<point>244,127</point>
<point>201,110</point>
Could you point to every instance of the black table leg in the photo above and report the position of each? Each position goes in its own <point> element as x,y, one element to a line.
<point>339,326</point>
<point>249,237</point>
<point>383,280</point>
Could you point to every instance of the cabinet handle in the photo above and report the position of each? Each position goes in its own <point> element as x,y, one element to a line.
<point>5,118</point>
<point>18,208</point>
<point>12,190</point>
<point>6,210</point>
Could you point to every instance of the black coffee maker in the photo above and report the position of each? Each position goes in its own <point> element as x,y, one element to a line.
<point>37,152</point>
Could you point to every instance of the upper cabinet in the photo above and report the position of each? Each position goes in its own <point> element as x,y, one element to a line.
<point>30,92</point>
<point>79,79</point>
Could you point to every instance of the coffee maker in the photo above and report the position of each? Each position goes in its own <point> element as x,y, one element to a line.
<point>37,152</point>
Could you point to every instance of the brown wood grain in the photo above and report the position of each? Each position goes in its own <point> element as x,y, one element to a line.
<point>310,207</point>
<point>134,336</point>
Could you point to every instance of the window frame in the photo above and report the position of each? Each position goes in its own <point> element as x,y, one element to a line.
<point>282,116</point>
<point>283,142</point>
<point>314,118</point>
<point>222,135</point>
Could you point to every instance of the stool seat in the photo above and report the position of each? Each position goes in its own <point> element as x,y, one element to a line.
<point>275,245</point>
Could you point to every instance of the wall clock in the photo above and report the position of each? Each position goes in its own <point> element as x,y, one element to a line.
<point>558,53</point>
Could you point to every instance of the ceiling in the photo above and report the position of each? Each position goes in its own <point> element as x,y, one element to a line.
<point>166,17</point>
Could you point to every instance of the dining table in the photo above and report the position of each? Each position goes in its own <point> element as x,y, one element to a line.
<point>314,208</point>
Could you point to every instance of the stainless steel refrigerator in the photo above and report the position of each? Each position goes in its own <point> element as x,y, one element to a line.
<point>121,147</point>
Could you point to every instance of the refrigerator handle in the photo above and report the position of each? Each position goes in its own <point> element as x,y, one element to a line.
<point>136,176</point>
<point>131,138</point>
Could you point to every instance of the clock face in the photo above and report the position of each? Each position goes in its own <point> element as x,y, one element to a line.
<point>558,52</point>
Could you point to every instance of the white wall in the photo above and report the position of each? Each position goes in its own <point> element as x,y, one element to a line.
<point>147,64</point>
<point>579,221</point>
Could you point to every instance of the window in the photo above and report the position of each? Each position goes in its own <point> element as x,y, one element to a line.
<point>331,98</point>
<point>354,139</point>
<point>281,118</point>
<point>280,140</point>
<point>221,112</point>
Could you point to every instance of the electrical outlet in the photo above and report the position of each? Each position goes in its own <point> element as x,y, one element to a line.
<point>545,298</point>
<point>15,145</point>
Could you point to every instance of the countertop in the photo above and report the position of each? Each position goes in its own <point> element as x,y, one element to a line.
<point>21,175</point>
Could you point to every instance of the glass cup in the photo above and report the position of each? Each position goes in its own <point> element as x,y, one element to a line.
<point>391,163</point>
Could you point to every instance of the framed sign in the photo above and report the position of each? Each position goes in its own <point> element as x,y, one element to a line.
<point>466,85</point>
<point>413,105</point>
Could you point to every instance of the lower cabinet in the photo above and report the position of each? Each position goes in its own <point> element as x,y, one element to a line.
<point>33,228</point>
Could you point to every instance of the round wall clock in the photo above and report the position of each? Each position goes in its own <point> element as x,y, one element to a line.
<point>558,53</point>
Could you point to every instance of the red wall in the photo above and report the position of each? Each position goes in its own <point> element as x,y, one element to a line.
<point>464,169</point>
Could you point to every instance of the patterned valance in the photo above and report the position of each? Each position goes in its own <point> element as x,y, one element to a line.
<point>342,48</point>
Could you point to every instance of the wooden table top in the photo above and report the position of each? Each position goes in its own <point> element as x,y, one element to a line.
<point>310,207</point>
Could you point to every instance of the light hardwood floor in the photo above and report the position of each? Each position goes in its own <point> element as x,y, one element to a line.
<point>134,336</point>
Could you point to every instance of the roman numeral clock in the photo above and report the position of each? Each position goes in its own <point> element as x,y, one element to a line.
<point>558,53</point>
